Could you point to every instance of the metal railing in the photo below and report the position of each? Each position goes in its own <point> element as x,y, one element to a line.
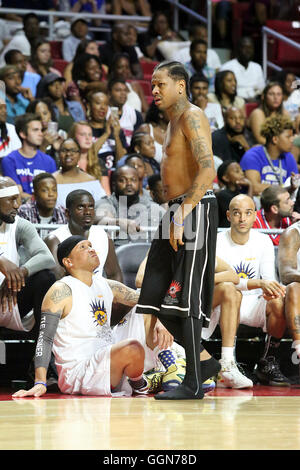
<point>51,15</point>
<point>145,234</point>
<point>202,19</point>
<point>114,229</point>
<point>270,32</point>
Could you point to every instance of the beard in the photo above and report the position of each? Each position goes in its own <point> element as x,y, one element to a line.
<point>130,199</point>
<point>232,132</point>
<point>8,219</point>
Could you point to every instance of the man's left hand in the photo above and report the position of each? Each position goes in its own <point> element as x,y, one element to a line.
<point>161,336</point>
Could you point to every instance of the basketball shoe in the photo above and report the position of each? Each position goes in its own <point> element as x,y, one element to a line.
<point>153,382</point>
<point>268,373</point>
<point>230,376</point>
<point>174,375</point>
<point>208,385</point>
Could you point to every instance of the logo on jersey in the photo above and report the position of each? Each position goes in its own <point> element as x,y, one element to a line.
<point>245,271</point>
<point>174,288</point>
<point>99,312</point>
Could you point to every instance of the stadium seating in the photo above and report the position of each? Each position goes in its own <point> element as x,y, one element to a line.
<point>130,257</point>
<point>282,54</point>
<point>148,68</point>
<point>56,49</point>
<point>249,108</point>
<point>60,64</point>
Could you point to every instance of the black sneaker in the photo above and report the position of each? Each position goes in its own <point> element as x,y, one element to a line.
<point>268,373</point>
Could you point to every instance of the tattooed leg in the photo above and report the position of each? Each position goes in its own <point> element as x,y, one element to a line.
<point>292,301</point>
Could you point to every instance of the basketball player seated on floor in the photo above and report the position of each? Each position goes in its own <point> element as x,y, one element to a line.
<point>91,357</point>
<point>251,254</point>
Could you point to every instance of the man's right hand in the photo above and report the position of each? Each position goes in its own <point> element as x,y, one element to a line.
<point>15,276</point>
<point>272,289</point>
<point>8,298</point>
<point>36,391</point>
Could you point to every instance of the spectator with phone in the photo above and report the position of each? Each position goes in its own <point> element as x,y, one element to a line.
<point>130,119</point>
<point>53,136</point>
<point>53,86</point>
<point>106,130</point>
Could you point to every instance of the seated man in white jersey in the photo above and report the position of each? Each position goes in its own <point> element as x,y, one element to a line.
<point>91,357</point>
<point>251,254</point>
<point>289,272</point>
<point>80,212</point>
<point>25,281</point>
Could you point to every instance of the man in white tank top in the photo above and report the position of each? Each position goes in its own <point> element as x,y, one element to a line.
<point>251,254</point>
<point>80,213</point>
<point>76,318</point>
<point>289,271</point>
<point>23,284</point>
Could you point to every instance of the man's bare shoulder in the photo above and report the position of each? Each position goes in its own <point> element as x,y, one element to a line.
<point>193,117</point>
<point>290,238</point>
<point>58,292</point>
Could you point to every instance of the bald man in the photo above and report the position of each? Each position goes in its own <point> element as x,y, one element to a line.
<point>251,254</point>
<point>23,284</point>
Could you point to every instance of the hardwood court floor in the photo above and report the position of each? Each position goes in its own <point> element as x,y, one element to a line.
<point>264,418</point>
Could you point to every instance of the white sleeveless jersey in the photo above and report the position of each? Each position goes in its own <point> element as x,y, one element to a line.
<point>296,226</point>
<point>86,329</point>
<point>8,249</point>
<point>97,236</point>
<point>253,260</point>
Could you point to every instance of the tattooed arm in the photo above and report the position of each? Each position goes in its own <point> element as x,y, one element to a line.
<point>56,304</point>
<point>123,294</point>
<point>196,130</point>
<point>289,245</point>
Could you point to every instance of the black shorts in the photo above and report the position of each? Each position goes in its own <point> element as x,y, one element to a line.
<point>181,283</point>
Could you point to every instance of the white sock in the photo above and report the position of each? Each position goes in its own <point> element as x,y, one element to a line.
<point>227,353</point>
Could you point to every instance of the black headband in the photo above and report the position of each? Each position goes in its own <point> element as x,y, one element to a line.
<point>64,248</point>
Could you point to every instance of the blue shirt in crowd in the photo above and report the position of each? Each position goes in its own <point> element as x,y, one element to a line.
<point>256,159</point>
<point>22,170</point>
<point>15,109</point>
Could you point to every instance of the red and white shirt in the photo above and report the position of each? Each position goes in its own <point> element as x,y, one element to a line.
<point>262,223</point>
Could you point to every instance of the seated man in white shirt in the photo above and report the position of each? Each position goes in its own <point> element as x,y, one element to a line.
<point>197,31</point>
<point>199,86</point>
<point>251,254</point>
<point>249,75</point>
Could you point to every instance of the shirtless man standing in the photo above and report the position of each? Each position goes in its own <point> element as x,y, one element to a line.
<point>179,277</point>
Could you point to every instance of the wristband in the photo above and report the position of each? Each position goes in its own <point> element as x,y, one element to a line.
<point>41,383</point>
<point>242,285</point>
<point>178,225</point>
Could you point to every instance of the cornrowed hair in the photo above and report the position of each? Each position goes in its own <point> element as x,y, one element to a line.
<point>176,71</point>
